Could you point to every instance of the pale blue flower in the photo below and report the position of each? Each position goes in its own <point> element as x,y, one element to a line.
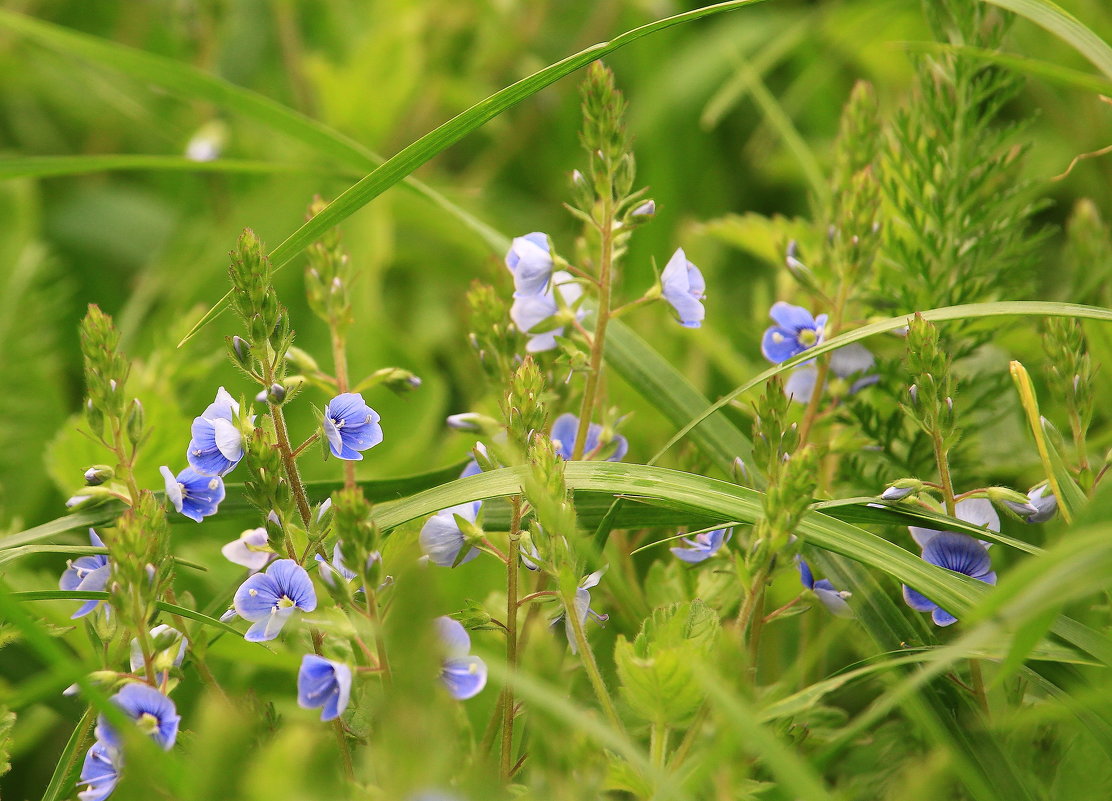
<point>583,608</point>
<point>845,363</point>
<point>702,546</point>
<point>441,538</point>
<point>323,683</point>
<point>795,331</point>
<point>194,495</point>
<point>100,772</point>
<point>251,549</point>
<point>351,426</point>
<point>463,674</point>
<point>955,552</point>
<point>563,438</point>
<point>87,574</point>
<point>269,599</point>
<point>682,285</point>
<point>529,311</point>
<point>1045,503</point>
<point>217,444</point>
<point>153,713</point>
<point>530,261</point>
<point>975,511</point>
<point>833,599</point>
<point>170,645</point>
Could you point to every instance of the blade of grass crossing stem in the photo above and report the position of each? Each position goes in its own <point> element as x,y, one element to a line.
<point>972,311</point>
<point>68,769</point>
<point>409,158</point>
<point>1066,27</point>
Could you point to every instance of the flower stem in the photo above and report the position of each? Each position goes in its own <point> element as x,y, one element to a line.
<point>658,744</point>
<point>944,472</point>
<point>337,726</point>
<point>978,685</point>
<point>751,617</point>
<point>380,644</point>
<point>587,657</point>
<point>507,702</point>
<point>602,317</point>
<point>339,362</point>
<point>315,436</point>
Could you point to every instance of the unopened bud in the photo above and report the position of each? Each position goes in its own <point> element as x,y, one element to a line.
<point>135,422</point>
<point>898,490</point>
<point>276,394</point>
<point>241,352</point>
<point>646,209</point>
<point>98,474</point>
<point>94,417</point>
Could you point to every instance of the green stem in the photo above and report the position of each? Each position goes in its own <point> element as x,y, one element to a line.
<point>751,618</point>
<point>658,744</point>
<point>339,362</point>
<point>602,317</point>
<point>688,741</point>
<point>978,685</point>
<point>587,657</point>
<point>380,643</point>
<point>337,726</point>
<point>944,472</point>
<point>507,702</point>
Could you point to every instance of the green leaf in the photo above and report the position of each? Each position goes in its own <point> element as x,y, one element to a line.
<point>83,595</point>
<point>40,166</point>
<point>972,311</point>
<point>1066,27</point>
<point>1048,71</point>
<point>68,768</point>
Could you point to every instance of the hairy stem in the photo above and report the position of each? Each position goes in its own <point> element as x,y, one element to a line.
<point>507,702</point>
<point>587,657</point>
<point>602,317</point>
<point>944,472</point>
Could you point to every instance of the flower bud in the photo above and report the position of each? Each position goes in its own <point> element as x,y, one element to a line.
<point>95,417</point>
<point>900,489</point>
<point>276,394</point>
<point>241,352</point>
<point>98,474</point>
<point>135,422</point>
<point>646,209</point>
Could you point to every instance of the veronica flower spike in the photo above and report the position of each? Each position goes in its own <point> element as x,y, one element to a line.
<point>682,285</point>
<point>325,684</point>
<point>100,772</point>
<point>702,546</point>
<point>269,599</point>
<point>194,495</point>
<point>795,331</point>
<point>217,444</point>
<point>350,426</point>
<point>958,553</point>
<point>565,429</point>
<point>88,574</point>
<point>834,600</point>
<point>463,674</point>
<point>530,261</point>
<point>153,713</point>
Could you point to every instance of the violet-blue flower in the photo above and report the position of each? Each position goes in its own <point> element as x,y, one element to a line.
<point>194,495</point>
<point>530,261</point>
<point>834,600</point>
<point>441,538</point>
<point>975,511</point>
<point>87,574</point>
<point>463,674</point>
<point>100,772</point>
<point>529,311</point>
<point>702,546</point>
<point>351,426</point>
<point>845,363</point>
<point>217,444</point>
<point>955,552</point>
<point>583,608</point>
<point>153,713</point>
<point>682,285</point>
<point>563,438</point>
<point>795,331</point>
<point>251,549</point>
<point>269,599</point>
<point>323,683</point>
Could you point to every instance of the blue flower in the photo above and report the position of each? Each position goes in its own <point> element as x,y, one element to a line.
<point>194,495</point>
<point>351,426</point>
<point>251,549</point>
<point>834,600</point>
<point>463,674</point>
<point>152,712</point>
<point>955,552</point>
<point>269,599</point>
<point>529,311</point>
<point>845,363</point>
<point>100,772</point>
<point>683,286</point>
<point>975,511</point>
<point>795,331</point>
<point>583,608</point>
<point>702,546</point>
<point>87,574</point>
<point>217,444</point>
<point>324,683</point>
<point>1044,501</point>
<point>441,538</point>
<point>563,438</point>
<point>530,261</point>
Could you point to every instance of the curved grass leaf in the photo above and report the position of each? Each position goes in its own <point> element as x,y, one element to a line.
<point>26,550</point>
<point>68,769</point>
<point>412,156</point>
<point>92,517</point>
<point>82,595</point>
<point>1046,70</point>
<point>1066,27</point>
<point>972,311</point>
<point>43,166</point>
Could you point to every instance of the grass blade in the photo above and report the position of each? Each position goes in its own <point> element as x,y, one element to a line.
<point>1066,27</point>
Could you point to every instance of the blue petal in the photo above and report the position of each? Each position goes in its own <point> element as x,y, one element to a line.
<point>100,772</point>
<point>441,540</point>
<point>853,358</point>
<point>792,318</point>
<point>137,700</point>
<point>806,577</point>
<point>801,383</point>
<point>94,581</point>
<point>1045,502</point>
<point>778,345</point>
<point>292,581</point>
<point>693,554</point>
<point>942,618</point>
<point>453,636</point>
<point>529,311</point>
<point>257,597</point>
<point>323,683</point>
<point>978,512</point>
<point>332,434</point>
<point>917,601</point>
<point>832,600</point>
<point>464,677</point>
<point>530,262</point>
<point>269,627</point>
<point>563,434</point>
<point>959,553</point>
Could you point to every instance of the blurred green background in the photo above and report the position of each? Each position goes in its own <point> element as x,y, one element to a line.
<point>728,115</point>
